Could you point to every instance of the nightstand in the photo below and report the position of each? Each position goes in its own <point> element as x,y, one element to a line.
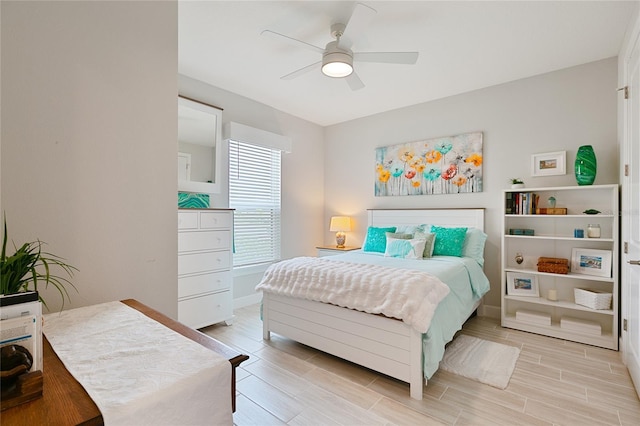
<point>333,250</point>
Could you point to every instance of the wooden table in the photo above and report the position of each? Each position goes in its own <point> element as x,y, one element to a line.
<point>65,402</point>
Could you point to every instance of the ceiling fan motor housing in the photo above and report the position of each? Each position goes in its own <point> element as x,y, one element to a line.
<point>337,62</point>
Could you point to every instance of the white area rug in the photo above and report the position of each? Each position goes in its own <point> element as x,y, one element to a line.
<point>481,360</point>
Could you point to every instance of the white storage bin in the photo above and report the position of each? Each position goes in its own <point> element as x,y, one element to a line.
<point>594,299</point>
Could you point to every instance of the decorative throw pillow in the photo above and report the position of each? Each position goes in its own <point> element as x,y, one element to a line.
<point>412,229</point>
<point>449,241</point>
<point>473,246</point>
<point>429,242</point>
<point>376,240</point>
<point>405,249</point>
<point>398,236</point>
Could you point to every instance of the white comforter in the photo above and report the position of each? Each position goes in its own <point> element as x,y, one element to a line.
<point>409,295</point>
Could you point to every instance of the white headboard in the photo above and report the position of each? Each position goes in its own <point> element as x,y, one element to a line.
<point>439,217</point>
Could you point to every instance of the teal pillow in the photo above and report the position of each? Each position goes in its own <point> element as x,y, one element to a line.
<point>430,239</point>
<point>449,241</point>
<point>376,239</point>
<point>405,249</point>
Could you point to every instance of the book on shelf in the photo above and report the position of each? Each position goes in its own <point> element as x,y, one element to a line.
<point>21,297</point>
<point>21,324</point>
<point>521,202</point>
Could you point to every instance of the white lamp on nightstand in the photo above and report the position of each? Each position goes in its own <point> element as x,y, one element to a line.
<point>340,225</point>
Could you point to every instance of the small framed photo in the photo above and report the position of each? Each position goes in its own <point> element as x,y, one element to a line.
<point>591,262</point>
<point>549,164</point>
<point>522,284</point>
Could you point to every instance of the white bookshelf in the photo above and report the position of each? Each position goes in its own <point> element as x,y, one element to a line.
<point>554,237</point>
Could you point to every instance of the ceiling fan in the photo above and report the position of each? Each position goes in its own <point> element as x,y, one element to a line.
<point>337,56</point>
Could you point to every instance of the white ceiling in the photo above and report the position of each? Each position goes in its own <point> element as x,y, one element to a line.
<point>463,46</point>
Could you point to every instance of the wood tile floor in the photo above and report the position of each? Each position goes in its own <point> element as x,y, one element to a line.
<point>555,383</point>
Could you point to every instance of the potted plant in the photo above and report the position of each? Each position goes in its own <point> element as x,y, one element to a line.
<point>516,183</point>
<point>30,266</point>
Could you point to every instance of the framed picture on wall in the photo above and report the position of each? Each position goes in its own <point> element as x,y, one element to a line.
<point>519,284</point>
<point>549,164</point>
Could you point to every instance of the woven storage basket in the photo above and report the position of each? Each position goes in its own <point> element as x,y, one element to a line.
<point>593,299</point>
<point>554,265</point>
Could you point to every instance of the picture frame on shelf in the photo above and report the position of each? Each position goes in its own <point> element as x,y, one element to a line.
<point>519,284</point>
<point>591,262</point>
<point>549,164</point>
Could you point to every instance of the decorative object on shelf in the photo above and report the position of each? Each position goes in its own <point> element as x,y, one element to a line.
<point>552,295</point>
<point>552,202</point>
<point>519,258</point>
<point>549,164</point>
<point>516,183</point>
<point>581,325</point>
<point>591,211</point>
<point>447,165</point>
<point>533,317</point>
<point>591,298</point>
<point>519,231</point>
<point>340,225</point>
<point>522,284</point>
<point>578,233</point>
<point>593,230</point>
<point>549,210</point>
<point>591,262</point>
<point>553,265</point>
<point>586,165</point>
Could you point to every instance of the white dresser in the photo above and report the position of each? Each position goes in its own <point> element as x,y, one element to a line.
<point>204,266</point>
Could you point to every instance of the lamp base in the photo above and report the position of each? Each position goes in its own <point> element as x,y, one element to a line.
<point>341,238</point>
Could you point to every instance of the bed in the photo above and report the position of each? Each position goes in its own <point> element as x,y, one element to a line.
<point>390,346</point>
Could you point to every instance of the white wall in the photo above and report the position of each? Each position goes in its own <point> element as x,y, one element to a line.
<point>302,172</point>
<point>552,112</point>
<point>89,142</point>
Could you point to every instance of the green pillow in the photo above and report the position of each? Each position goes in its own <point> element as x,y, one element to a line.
<point>430,239</point>
<point>449,241</point>
<point>376,239</point>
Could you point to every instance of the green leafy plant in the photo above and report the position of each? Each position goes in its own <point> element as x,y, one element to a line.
<point>515,181</point>
<point>30,266</point>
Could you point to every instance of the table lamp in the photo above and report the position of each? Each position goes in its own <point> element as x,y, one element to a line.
<point>340,225</point>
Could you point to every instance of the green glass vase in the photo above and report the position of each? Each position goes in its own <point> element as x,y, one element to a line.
<point>586,165</point>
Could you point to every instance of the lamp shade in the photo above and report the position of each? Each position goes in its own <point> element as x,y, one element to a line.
<point>340,224</point>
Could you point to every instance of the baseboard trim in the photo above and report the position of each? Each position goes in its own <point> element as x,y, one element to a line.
<point>252,299</point>
<point>490,311</point>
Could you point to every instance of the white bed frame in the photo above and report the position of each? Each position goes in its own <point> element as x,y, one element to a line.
<point>382,344</point>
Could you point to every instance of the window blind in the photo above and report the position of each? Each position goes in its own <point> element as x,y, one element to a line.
<point>254,193</point>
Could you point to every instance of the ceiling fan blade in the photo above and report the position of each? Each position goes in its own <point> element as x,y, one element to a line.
<point>292,41</point>
<point>301,71</point>
<point>387,57</point>
<point>354,81</point>
<point>360,18</point>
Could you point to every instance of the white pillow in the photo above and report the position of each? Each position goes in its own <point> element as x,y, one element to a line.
<point>405,249</point>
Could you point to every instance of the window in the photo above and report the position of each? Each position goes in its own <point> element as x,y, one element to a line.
<point>254,193</point>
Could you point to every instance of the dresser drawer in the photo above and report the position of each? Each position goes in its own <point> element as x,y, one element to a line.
<point>202,311</point>
<point>203,240</point>
<point>206,283</point>
<point>215,220</point>
<point>193,263</point>
<point>187,220</point>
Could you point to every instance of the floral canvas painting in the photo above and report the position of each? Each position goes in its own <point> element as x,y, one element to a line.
<point>448,165</point>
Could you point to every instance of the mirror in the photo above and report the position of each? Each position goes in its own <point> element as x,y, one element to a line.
<point>199,146</point>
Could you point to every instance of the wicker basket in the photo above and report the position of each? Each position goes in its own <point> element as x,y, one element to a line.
<point>594,299</point>
<point>554,265</point>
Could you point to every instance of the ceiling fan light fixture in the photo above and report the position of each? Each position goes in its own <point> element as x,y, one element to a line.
<point>337,64</point>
